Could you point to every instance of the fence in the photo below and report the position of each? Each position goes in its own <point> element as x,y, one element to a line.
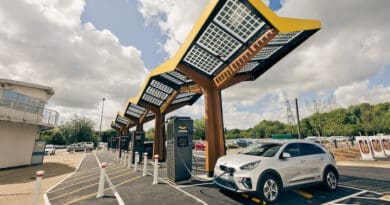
<point>13,110</point>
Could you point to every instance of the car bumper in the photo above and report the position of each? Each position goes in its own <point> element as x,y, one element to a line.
<point>237,182</point>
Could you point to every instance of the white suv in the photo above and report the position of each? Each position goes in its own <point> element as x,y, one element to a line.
<point>271,166</point>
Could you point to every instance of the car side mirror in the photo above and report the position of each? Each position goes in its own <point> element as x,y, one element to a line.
<point>286,155</point>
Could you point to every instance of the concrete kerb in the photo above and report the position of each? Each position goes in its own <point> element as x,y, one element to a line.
<point>45,198</point>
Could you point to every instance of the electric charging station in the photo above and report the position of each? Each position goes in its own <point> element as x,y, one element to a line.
<point>125,140</point>
<point>179,131</point>
<point>137,144</point>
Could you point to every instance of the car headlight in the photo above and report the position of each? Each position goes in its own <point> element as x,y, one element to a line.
<point>250,166</point>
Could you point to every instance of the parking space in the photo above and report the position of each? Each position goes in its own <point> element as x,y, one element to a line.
<point>132,188</point>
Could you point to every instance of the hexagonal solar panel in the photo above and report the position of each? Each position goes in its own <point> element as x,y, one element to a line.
<point>284,38</point>
<point>115,125</point>
<point>218,42</point>
<point>202,60</point>
<point>239,19</point>
<point>183,97</point>
<point>249,66</point>
<point>151,99</point>
<point>266,52</point>
<point>121,120</point>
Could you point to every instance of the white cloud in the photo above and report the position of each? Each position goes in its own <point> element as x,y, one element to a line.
<point>360,92</point>
<point>44,42</point>
<point>175,18</point>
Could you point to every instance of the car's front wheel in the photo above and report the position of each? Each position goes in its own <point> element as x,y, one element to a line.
<point>330,180</point>
<point>269,189</point>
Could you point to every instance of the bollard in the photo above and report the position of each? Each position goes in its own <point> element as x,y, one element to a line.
<point>145,164</point>
<point>100,192</point>
<point>128,160</point>
<point>37,188</point>
<point>136,159</point>
<point>155,174</point>
<point>122,157</point>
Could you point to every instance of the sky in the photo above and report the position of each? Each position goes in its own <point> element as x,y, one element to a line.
<point>88,50</point>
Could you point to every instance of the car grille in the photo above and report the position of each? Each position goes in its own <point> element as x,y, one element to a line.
<point>226,183</point>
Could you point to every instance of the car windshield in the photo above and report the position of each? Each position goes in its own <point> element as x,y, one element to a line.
<point>262,149</point>
<point>49,146</point>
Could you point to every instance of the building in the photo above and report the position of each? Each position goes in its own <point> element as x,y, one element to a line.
<point>22,118</point>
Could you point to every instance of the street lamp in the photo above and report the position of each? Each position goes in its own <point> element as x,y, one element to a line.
<point>101,120</point>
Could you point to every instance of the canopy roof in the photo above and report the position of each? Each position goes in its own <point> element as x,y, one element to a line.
<point>232,38</point>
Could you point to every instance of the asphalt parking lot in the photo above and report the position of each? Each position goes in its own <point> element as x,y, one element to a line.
<point>126,186</point>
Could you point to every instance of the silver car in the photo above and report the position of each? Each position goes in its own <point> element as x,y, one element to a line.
<point>271,166</point>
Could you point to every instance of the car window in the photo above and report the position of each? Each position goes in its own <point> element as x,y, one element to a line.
<point>310,149</point>
<point>262,149</point>
<point>293,149</point>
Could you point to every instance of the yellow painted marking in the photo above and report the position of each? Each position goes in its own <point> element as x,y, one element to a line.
<point>303,193</point>
<point>256,200</point>
<point>94,194</point>
<point>245,195</point>
<point>89,175</point>
<point>62,188</point>
<point>95,178</point>
<point>77,190</point>
<point>385,197</point>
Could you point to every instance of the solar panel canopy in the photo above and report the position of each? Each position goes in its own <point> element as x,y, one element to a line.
<point>228,28</point>
<point>121,120</point>
<point>116,126</point>
<point>225,35</point>
<point>163,88</point>
<point>137,113</point>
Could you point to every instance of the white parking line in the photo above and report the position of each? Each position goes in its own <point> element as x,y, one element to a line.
<point>45,198</point>
<point>184,192</point>
<point>343,198</point>
<point>352,187</point>
<point>114,191</point>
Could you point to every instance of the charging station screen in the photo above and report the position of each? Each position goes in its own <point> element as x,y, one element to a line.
<point>182,142</point>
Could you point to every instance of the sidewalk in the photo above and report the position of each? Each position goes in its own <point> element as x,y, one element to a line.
<point>364,163</point>
<point>16,185</point>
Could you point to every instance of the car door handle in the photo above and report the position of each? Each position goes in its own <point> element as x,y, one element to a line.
<point>303,161</point>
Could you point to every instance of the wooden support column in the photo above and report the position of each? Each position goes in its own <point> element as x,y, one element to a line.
<point>215,138</point>
<point>158,145</point>
<point>139,127</point>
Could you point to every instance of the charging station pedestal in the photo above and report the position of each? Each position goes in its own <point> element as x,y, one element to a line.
<point>179,131</point>
<point>137,145</point>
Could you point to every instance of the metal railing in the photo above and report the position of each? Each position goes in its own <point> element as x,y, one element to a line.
<point>14,110</point>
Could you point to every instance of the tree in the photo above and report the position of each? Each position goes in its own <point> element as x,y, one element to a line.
<point>149,135</point>
<point>79,129</point>
<point>200,129</point>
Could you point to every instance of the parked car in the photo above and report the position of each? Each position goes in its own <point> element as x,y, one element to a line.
<point>269,167</point>
<point>200,146</point>
<point>77,147</point>
<point>243,142</point>
<point>50,149</point>
<point>90,146</point>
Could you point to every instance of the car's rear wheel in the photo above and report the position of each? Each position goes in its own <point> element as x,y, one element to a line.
<point>330,180</point>
<point>269,189</point>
